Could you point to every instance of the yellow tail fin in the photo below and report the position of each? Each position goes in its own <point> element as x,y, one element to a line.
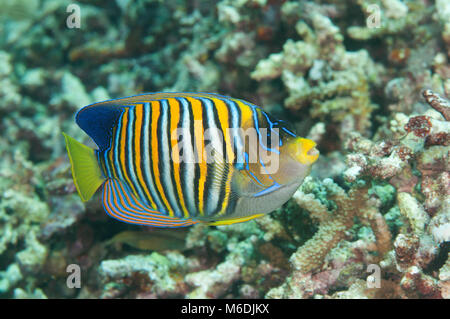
<point>85,168</point>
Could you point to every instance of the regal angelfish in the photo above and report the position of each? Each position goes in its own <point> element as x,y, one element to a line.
<point>176,159</point>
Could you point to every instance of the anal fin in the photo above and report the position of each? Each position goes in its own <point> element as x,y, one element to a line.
<point>120,203</point>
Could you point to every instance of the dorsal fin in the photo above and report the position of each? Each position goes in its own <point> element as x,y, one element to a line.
<point>99,119</point>
<point>98,122</point>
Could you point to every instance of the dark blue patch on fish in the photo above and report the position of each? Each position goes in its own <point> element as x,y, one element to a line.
<point>98,122</point>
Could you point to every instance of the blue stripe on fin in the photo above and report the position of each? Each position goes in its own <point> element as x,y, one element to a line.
<point>268,190</point>
<point>289,132</point>
<point>120,203</point>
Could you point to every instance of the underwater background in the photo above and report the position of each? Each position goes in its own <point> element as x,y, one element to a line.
<point>368,80</point>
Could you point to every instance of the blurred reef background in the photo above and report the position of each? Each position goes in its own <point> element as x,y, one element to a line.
<point>374,99</point>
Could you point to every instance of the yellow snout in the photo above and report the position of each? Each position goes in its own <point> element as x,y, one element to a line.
<point>306,152</point>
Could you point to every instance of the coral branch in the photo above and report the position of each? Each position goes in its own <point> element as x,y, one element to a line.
<point>438,103</point>
<point>333,226</point>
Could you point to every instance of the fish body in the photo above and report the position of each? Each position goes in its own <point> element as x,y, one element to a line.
<point>176,159</point>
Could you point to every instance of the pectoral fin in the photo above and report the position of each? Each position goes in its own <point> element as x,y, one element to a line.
<point>247,182</point>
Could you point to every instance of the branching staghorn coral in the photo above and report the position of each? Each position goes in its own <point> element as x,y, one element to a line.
<point>329,260</point>
<point>333,225</point>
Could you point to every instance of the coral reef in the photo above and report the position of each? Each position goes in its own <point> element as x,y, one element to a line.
<point>156,275</point>
<point>369,81</point>
<point>319,73</point>
<point>418,241</point>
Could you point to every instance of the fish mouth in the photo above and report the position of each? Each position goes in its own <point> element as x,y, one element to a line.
<point>308,152</point>
<point>313,152</point>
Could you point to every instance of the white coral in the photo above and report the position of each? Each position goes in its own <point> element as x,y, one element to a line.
<point>414,211</point>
